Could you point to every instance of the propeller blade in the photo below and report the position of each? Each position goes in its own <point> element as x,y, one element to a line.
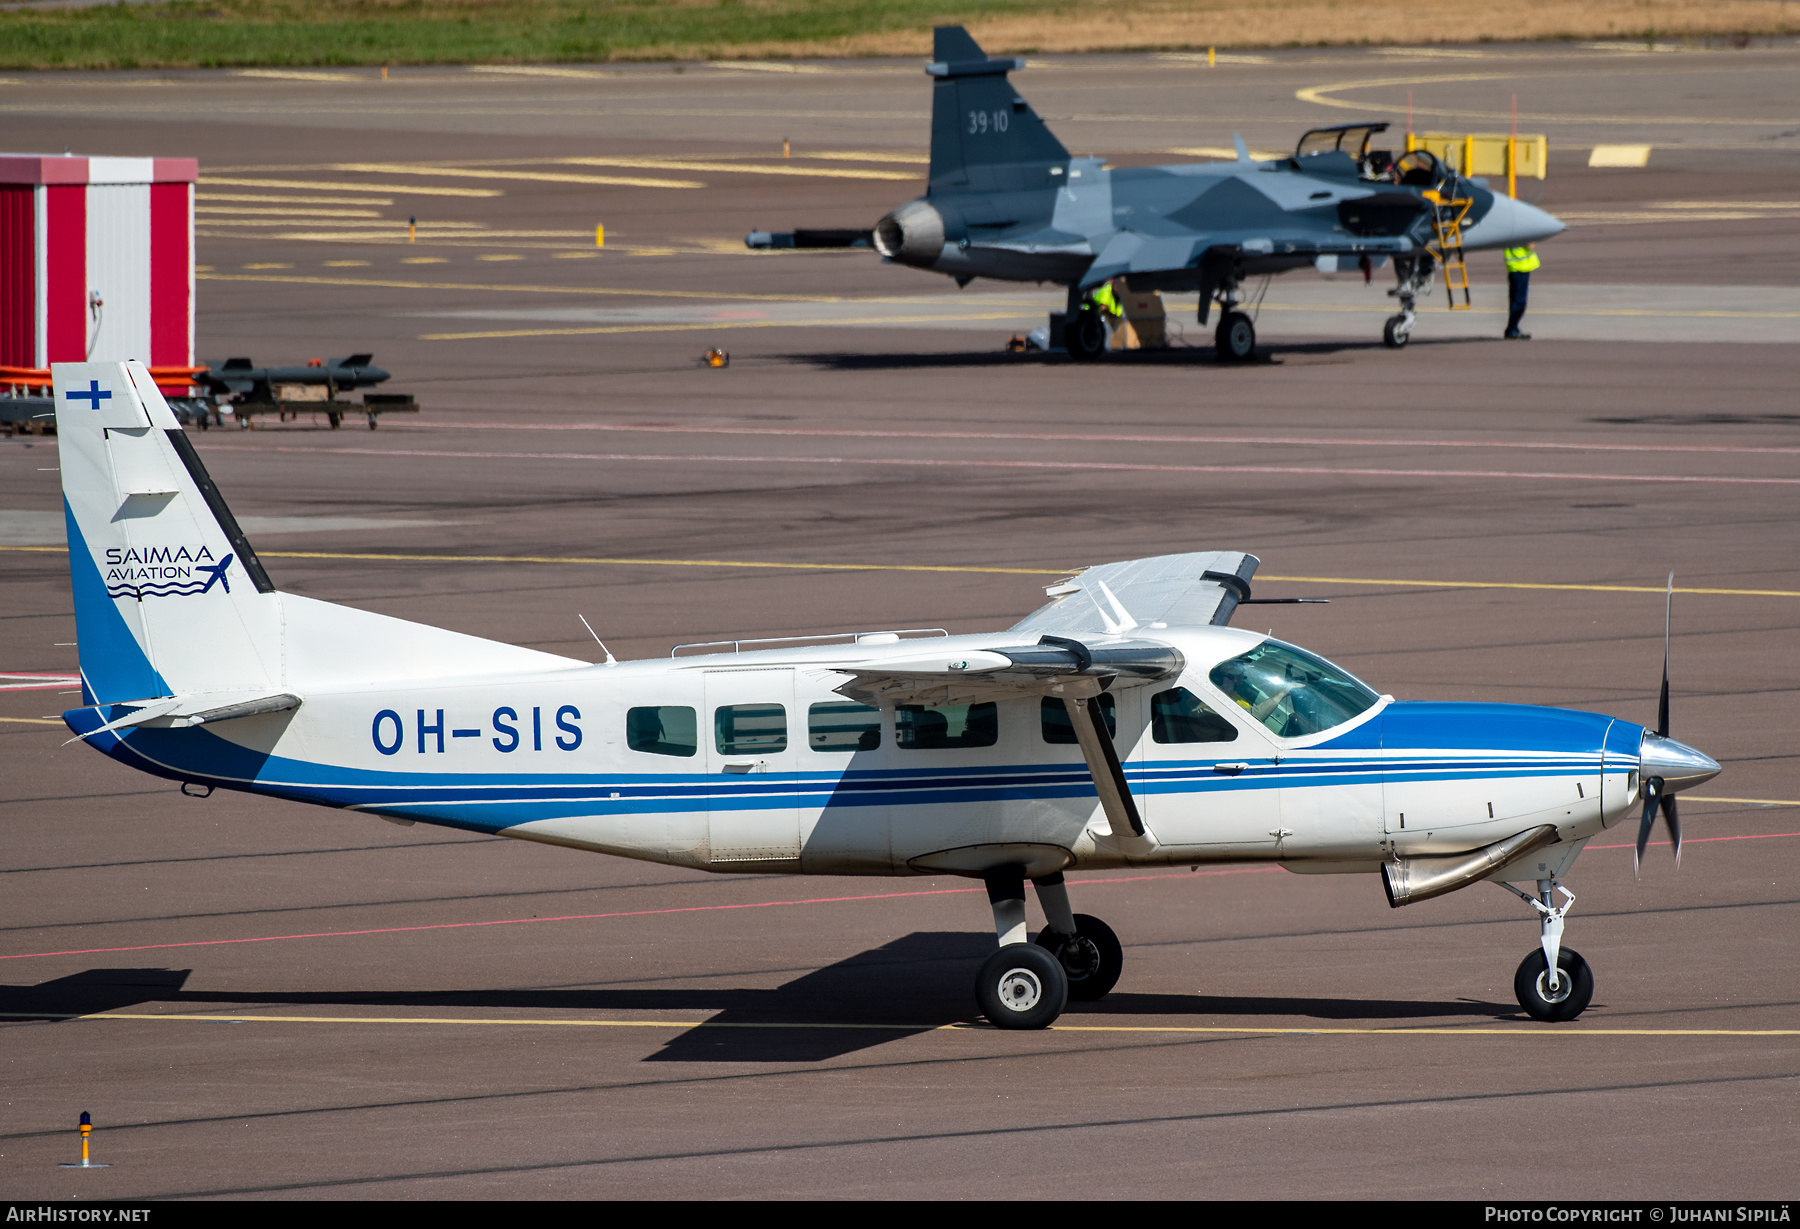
<point>1652,795</point>
<point>1672,817</point>
<point>1662,705</point>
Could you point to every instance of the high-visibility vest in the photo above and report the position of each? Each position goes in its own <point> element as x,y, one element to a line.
<point>1521,260</point>
<point>1104,297</point>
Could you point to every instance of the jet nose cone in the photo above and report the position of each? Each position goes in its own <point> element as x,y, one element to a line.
<point>1512,223</point>
<point>1679,765</point>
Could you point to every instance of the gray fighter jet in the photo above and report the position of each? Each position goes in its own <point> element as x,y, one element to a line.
<point>1006,200</point>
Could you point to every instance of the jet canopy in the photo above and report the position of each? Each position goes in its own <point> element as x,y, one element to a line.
<point>1351,139</point>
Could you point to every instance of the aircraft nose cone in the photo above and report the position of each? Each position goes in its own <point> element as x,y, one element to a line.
<point>1679,765</point>
<point>1512,223</point>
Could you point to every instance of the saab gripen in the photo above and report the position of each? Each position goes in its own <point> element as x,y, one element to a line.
<point>1123,724</point>
<point>1006,200</point>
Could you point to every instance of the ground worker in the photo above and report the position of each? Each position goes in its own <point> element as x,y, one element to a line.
<point>1519,264</point>
<point>1107,300</point>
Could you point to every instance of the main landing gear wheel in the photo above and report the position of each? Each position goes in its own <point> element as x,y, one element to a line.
<point>1084,336</point>
<point>1570,997</point>
<point>1393,334</point>
<point>1021,986</point>
<point>1236,338</point>
<point>1091,959</point>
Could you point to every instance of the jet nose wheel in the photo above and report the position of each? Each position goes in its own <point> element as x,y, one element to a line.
<point>1091,958</point>
<point>1236,338</point>
<point>1395,332</point>
<point>1021,986</point>
<point>1563,1001</point>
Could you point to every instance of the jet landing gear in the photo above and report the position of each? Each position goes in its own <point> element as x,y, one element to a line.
<point>1235,340</point>
<point>1553,983</point>
<point>1414,276</point>
<point>1026,985</point>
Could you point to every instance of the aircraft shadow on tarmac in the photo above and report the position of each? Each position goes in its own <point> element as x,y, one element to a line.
<point>917,983</point>
<point>1177,356</point>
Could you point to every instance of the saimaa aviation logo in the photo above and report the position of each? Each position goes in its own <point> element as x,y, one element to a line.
<point>164,571</point>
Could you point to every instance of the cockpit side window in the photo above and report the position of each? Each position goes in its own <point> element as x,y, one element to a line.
<point>1291,691</point>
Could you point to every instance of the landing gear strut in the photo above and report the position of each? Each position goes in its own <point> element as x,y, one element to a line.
<point>1553,983</point>
<point>1026,985</point>
<point>1414,274</point>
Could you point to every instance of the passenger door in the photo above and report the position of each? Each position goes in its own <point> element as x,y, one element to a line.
<point>750,732</point>
<point>1210,781</point>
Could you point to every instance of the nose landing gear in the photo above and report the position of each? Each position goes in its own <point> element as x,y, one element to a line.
<point>1026,985</point>
<point>1553,983</point>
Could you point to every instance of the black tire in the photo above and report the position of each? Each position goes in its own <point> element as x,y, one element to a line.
<point>1391,335</point>
<point>1084,336</point>
<point>1531,985</point>
<point>1021,986</point>
<point>1092,960</point>
<point>1236,338</point>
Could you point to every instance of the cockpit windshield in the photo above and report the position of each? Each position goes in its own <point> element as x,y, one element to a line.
<point>1291,691</point>
<point>1350,139</point>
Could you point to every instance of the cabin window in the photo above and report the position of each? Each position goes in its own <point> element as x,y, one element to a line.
<point>1290,690</point>
<point>1054,718</point>
<point>930,727</point>
<point>843,727</point>
<point>668,729</point>
<point>1180,716</point>
<point>750,729</point>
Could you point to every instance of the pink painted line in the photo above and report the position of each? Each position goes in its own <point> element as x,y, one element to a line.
<point>586,917</point>
<point>1320,440</point>
<point>1701,840</point>
<point>1034,465</point>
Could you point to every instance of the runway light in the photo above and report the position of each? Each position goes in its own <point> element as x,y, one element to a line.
<point>716,358</point>
<point>600,236</point>
<point>412,230</point>
<point>87,1125</point>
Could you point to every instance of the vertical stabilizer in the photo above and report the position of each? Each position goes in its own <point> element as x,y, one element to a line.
<point>983,135</point>
<point>169,597</point>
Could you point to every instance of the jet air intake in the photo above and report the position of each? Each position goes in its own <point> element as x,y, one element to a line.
<point>913,234</point>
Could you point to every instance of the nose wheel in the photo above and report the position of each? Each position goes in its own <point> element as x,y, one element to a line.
<point>1553,983</point>
<point>1235,339</point>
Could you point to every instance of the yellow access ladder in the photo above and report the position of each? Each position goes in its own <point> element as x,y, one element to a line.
<point>1446,219</point>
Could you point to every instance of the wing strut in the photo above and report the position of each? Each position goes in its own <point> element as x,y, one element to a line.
<point>1103,765</point>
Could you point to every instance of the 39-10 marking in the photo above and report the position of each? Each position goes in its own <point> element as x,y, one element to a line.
<point>507,737</point>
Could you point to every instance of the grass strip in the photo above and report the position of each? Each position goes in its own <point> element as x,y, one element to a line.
<point>325,33</point>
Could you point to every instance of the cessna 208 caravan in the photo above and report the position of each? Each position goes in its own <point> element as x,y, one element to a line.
<point>1006,200</point>
<point>1123,724</point>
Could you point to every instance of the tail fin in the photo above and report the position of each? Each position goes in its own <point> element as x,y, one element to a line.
<point>981,131</point>
<point>170,599</point>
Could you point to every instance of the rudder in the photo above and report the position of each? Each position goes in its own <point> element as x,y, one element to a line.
<point>979,124</point>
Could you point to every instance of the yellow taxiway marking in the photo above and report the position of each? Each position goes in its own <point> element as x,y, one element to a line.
<point>32,720</point>
<point>234,211</point>
<point>1318,95</point>
<point>456,172</point>
<point>1760,802</point>
<point>257,198</point>
<point>1510,584</point>
<point>383,557</point>
<point>317,186</point>
<point>281,75</point>
<point>1227,1030</point>
<point>738,168</point>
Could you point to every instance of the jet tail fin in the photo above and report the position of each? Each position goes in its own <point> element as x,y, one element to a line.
<point>982,133</point>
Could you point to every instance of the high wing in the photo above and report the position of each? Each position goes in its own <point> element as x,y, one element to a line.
<point>1052,666</point>
<point>1191,590</point>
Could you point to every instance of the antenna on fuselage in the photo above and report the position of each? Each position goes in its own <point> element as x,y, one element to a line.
<point>596,635</point>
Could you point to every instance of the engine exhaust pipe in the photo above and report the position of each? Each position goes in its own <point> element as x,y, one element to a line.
<point>1409,879</point>
<point>913,234</point>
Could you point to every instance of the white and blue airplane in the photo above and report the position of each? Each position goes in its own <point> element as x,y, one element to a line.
<point>1123,724</point>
